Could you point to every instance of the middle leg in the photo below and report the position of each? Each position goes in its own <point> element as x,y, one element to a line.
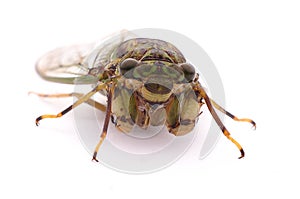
<point>81,100</point>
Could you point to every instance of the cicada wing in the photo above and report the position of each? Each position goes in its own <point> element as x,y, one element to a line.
<point>64,65</point>
<point>103,52</point>
<point>72,64</point>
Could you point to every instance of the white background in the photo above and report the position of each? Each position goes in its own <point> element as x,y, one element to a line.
<point>255,46</point>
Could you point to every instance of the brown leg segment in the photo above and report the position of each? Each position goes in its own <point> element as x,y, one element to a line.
<point>217,106</point>
<point>106,121</point>
<point>218,121</point>
<point>90,102</point>
<point>81,100</point>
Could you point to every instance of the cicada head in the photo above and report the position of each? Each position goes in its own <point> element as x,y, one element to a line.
<point>158,78</point>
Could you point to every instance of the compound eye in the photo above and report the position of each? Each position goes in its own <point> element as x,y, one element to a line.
<point>127,65</point>
<point>189,71</point>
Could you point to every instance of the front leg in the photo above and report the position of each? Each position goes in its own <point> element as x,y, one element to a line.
<point>182,113</point>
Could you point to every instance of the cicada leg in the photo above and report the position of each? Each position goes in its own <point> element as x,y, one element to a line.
<point>90,102</point>
<point>106,121</point>
<point>218,120</point>
<point>181,115</point>
<point>217,106</point>
<point>81,100</point>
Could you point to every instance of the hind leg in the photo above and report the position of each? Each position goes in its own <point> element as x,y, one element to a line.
<point>217,106</point>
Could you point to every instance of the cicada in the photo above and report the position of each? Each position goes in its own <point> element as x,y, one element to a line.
<point>146,82</point>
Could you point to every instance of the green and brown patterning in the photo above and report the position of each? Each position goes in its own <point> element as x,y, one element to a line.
<point>155,78</point>
<point>146,81</point>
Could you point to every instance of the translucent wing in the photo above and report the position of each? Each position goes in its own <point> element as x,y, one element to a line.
<point>72,64</point>
<point>65,64</point>
<point>102,54</point>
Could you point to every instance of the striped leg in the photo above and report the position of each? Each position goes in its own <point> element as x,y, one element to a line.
<point>218,121</point>
<point>81,100</point>
<point>106,121</point>
<point>90,102</point>
<point>217,106</point>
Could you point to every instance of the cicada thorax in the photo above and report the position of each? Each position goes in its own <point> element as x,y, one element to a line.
<point>148,49</point>
<point>155,87</point>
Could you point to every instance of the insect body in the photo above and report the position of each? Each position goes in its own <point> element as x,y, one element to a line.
<point>146,81</point>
